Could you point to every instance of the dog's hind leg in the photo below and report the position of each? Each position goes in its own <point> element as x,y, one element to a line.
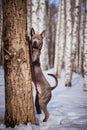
<point>45,112</point>
<point>44,108</point>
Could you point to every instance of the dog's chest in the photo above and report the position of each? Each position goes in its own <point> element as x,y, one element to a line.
<point>38,72</point>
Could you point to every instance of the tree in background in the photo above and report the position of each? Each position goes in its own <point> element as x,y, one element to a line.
<point>42,21</point>
<point>29,16</point>
<point>52,15</point>
<point>60,39</point>
<point>68,67</point>
<point>64,40</point>
<point>1,33</point>
<point>19,108</point>
<point>57,41</point>
<point>85,50</point>
<point>75,36</point>
<point>81,37</point>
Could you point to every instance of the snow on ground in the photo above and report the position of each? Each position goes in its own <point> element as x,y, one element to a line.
<point>67,108</point>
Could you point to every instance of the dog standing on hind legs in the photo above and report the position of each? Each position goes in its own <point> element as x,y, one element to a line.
<point>42,86</point>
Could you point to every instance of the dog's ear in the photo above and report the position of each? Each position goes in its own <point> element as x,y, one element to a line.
<point>32,32</point>
<point>43,34</point>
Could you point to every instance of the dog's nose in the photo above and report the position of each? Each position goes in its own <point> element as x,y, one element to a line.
<point>35,44</point>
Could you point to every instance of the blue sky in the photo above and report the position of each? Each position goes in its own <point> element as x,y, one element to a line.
<point>54,1</point>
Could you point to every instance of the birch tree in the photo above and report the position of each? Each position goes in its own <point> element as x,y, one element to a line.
<point>68,65</point>
<point>34,19</point>
<point>85,51</point>
<point>62,38</point>
<point>52,45</point>
<point>75,36</point>
<point>0,32</point>
<point>19,108</point>
<point>48,30</point>
<point>42,20</point>
<point>81,45</point>
<point>57,40</point>
<point>52,14</point>
<point>29,16</point>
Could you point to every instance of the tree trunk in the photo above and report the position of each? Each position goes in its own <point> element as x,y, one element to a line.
<point>80,67</point>
<point>34,19</point>
<point>52,12</point>
<point>85,51</point>
<point>42,20</point>
<point>57,41</point>
<point>29,16</point>
<point>1,33</point>
<point>19,108</point>
<point>75,37</point>
<point>52,45</point>
<point>62,39</point>
<point>68,67</point>
<point>48,30</point>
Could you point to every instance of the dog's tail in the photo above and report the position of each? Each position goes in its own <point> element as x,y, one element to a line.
<point>55,80</point>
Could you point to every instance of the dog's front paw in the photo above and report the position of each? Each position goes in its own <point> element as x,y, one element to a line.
<point>44,120</point>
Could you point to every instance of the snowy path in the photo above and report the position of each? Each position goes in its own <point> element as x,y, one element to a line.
<point>67,108</point>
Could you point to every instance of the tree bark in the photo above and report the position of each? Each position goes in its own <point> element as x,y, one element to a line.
<point>85,51</point>
<point>19,108</point>
<point>1,59</point>
<point>75,37</point>
<point>34,19</point>
<point>68,64</point>
<point>80,67</point>
<point>62,39</point>
<point>29,16</point>
<point>57,41</point>
<point>42,20</point>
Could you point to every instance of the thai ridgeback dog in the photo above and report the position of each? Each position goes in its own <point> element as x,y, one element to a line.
<point>42,86</point>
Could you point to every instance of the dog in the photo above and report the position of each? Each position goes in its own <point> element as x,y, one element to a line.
<point>42,86</point>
